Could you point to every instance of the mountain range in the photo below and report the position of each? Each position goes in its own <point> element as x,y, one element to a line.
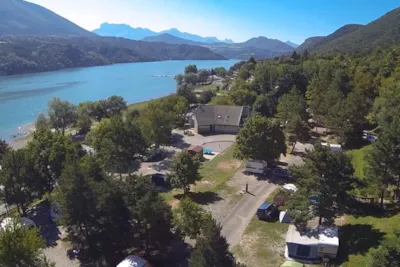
<point>33,38</point>
<point>126,31</point>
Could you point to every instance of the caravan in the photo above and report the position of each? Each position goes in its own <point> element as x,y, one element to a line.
<point>256,166</point>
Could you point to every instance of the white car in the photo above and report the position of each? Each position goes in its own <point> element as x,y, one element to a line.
<point>290,187</point>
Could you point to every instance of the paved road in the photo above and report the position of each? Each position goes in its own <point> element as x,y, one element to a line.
<point>235,223</point>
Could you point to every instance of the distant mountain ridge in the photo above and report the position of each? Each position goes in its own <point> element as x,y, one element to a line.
<point>383,32</point>
<point>170,39</point>
<point>259,48</point>
<point>18,17</point>
<point>291,44</point>
<point>266,43</point>
<point>126,31</point>
<point>314,42</point>
<point>27,54</point>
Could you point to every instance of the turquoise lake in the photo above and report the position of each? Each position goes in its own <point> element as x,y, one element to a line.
<point>23,97</point>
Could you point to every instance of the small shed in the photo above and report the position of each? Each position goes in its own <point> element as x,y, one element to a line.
<point>195,150</point>
<point>134,261</point>
<point>312,245</point>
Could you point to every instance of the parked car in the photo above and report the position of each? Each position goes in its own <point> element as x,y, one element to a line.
<point>281,173</point>
<point>267,211</point>
<point>159,180</point>
<point>313,199</point>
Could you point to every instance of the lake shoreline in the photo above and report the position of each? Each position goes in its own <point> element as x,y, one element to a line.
<point>29,128</point>
<point>24,97</point>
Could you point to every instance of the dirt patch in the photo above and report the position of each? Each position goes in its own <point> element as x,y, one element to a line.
<point>174,203</point>
<point>229,164</point>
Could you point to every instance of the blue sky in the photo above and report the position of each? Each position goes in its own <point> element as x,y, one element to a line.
<point>239,20</point>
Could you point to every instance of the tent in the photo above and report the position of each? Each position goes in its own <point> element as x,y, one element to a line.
<point>292,264</point>
<point>284,217</point>
<point>133,261</point>
<point>290,187</point>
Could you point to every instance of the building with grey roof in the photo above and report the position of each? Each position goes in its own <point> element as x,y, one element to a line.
<point>216,119</point>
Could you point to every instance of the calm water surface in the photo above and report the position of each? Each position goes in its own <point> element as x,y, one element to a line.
<point>23,97</point>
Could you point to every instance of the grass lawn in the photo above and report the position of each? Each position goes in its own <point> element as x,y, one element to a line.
<point>358,160</point>
<point>209,87</point>
<point>361,234</point>
<point>141,105</point>
<point>263,243</point>
<point>214,174</point>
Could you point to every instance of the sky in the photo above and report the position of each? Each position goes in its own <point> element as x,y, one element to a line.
<point>239,20</point>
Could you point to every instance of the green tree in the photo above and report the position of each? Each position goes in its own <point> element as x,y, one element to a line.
<point>189,217</point>
<point>62,114</point>
<point>243,74</point>
<point>151,215</point>
<point>242,97</point>
<point>157,124</point>
<point>292,104</point>
<point>387,254</point>
<point>190,78</point>
<point>382,161</point>
<point>4,148</point>
<point>94,211</point>
<point>203,75</point>
<point>186,90</point>
<point>179,79</point>
<point>221,71</point>
<point>84,123</point>
<point>299,210</point>
<point>17,180</point>
<point>42,122</point>
<point>221,100</point>
<point>265,105</point>
<point>115,105</point>
<point>211,248</point>
<point>297,131</point>
<point>261,138</point>
<point>47,154</point>
<point>191,69</point>
<point>329,176</point>
<point>21,246</point>
<point>118,143</point>
<point>184,171</point>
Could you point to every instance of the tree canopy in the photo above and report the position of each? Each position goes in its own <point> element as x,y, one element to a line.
<point>261,138</point>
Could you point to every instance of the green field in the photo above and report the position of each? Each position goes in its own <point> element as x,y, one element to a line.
<point>358,160</point>
<point>214,175</point>
<point>360,235</point>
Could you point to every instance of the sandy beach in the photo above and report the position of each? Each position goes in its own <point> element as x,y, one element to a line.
<point>23,136</point>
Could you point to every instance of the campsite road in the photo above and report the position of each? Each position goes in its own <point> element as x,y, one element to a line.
<point>235,223</point>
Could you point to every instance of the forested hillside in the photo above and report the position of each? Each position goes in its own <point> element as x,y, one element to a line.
<point>313,42</point>
<point>383,32</point>
<point>20,17</point>
<point>35,54</point>
<point>346,94</point>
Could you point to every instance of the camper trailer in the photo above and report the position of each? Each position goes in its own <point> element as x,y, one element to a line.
<point>312,246</point>
<point>333,147</point>
<point>256,166</point>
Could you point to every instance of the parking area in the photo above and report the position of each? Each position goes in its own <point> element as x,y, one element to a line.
<point>216,143</point>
